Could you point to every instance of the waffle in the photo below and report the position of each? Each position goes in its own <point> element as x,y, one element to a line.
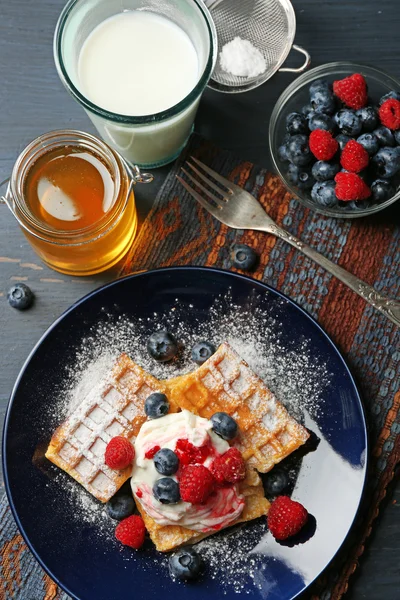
<point>223,383</point>
<point>114,407</point>
<point>226,383</point>
<point>170,537</point>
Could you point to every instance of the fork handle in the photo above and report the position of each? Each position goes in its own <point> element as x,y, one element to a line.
<point>390,308</point>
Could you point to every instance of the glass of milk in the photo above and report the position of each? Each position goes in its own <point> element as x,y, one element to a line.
<point>138,67</point>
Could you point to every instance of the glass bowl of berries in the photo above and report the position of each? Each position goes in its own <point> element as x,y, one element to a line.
<point>334,138</point>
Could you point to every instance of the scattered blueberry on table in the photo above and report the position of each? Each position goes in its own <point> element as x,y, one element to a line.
<point>202,351</point>
<point>244,257</point>
<point>20,296</point>
<point>343,147</point>
<point>185,564</point>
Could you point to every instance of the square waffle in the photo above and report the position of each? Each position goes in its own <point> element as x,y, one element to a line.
<point>114,407</point>
<point>170,537</point>
<point>226,383</point>
<point>223,383</point>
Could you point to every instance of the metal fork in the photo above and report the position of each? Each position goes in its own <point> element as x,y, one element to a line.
<point>236,208</point>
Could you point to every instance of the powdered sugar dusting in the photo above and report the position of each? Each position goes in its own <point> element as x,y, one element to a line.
<point>229,558</point>
<point>85,507</point>
<point>297,380</point>
<point>292,372</point>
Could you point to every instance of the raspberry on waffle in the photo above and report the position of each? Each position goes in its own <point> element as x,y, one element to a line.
<point>225,383</point>
<point>115,407</point>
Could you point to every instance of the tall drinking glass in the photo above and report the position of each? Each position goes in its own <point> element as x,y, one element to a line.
<point>152,140</point>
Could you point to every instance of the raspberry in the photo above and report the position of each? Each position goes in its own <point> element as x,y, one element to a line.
<point>139,493</point>
<point>119,453</point>
<point>152,452</point>
<point>229,467</point>
<point>389,114</point>
<point>286,517</point>
<point>352,91</point>
<point>354,157</point>
<point>190,454</point>
<point>350,186</point>
<point>131,531</point>
<point>196,483</point>
<point>322,144</point>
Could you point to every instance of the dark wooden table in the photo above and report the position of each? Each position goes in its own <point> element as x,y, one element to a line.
<point>33,101</point>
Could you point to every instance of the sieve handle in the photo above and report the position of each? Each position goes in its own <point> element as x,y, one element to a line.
<point>304,66</point>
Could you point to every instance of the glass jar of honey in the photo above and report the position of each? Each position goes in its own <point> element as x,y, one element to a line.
<point>73,197</point>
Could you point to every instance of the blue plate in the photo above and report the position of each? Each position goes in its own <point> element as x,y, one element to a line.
<point>329,481</point>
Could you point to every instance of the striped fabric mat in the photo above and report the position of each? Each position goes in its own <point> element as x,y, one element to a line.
<point>179,232</point>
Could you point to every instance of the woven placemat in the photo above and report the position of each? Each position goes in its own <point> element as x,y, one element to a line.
<point>179,232</point>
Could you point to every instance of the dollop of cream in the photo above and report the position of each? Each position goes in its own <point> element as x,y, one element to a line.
<point>225,504</point>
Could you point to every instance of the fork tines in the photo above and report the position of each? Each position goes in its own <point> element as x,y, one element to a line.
<point>222,193</point>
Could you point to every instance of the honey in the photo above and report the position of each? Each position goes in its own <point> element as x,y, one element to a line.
<point>69,189</point>
<point>74,200</point>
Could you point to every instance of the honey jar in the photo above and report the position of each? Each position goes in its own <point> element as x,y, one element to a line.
<point>73,197</point>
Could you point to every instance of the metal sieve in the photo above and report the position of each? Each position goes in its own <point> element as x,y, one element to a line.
<point>270,25</point>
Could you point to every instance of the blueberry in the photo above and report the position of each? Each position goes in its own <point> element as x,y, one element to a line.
<point>386,162</point>
<point>156,405</point>
<point>381,190</point>
<point>384,135</point>
<point>369,118</point>
<point>243,257</point>
<point>166,491</point>
<point>307,110</point>
<point>318,84</point>
<point>276,482</point>
<point>393,94</point>
<point>224,425</point>
<point>319,120</point>
<point>293,174</point>
<point>369,141</point>
<point>20,296</point>
<point>121,507</point>
<point>322,100</point>
<point>300,176</point>
<point>296,123</point>
<point>359,204</point>
<point>166,461</point>
<point>185,564</point>
<point>283,152</point>
<point>162,346</point>
<point>342,140</point>
<point>299,150</point>
<point>202,352</point>
<point>348,122</point>
<point>322,170</point>
<point>397,136</point>
<point>323,193</point>
<point>305,179</point>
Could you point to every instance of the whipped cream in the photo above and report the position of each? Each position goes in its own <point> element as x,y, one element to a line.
<point>222,508</point>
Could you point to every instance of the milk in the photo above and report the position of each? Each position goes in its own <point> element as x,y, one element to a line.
<point>137,63</point>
